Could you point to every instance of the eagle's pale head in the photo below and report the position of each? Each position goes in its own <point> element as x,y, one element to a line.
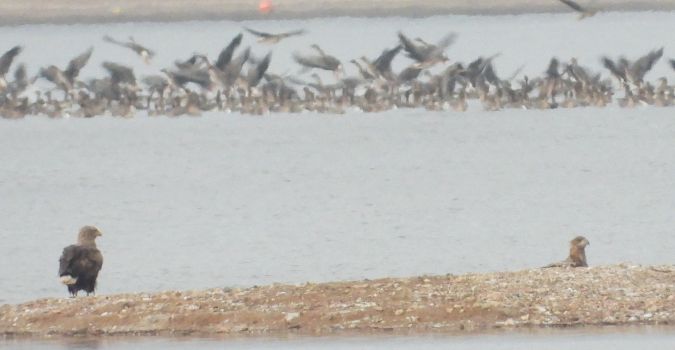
<point>88,235</point>
<point>580,241</point>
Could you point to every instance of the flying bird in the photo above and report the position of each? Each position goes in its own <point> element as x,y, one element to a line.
<point>424,53</point>
<point>65,80</point>
<point>226,54</point>
<point>382,63</point>
<point>270,38</point>
<point>634,72</point>
<point>583,12</point>
<point>256,73</point>
<point>145,53</point>
<point>80,263</point>
<point>5,62</point>
<point>321,61</point>
<point>76,64</point>
<point>577,257</point>
<point>120,73</point>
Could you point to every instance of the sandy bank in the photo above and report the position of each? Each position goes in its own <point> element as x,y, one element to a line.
<point>93,11</point>
<point>533,298</point>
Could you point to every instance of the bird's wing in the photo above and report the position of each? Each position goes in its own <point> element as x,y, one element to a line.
<point>446,41</point>
<point>410,47</point>
<point>565,263</point>
<point>573,5</point>
<point>7,58</point>
<point>77,63</point>
<point>672,63</point>
<point>645,63</point>
<point>611,66</point>
<point>310,61</point>
<point>257,33</point>
<point>225,55</point>
<point>383,62</point>
<point>295,32</point>
<point>120,73</point>
<point>109,39</point>
<point>69,253</point>
<point>259,70</point>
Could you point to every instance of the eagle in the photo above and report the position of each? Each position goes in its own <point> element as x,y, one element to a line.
<point>80,263</point>
<point>577,256</point>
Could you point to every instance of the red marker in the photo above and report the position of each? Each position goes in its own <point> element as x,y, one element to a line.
<point>265,6</point>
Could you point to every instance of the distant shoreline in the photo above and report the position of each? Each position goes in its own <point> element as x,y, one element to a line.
<point>99,11</point>
<point>554,297</point>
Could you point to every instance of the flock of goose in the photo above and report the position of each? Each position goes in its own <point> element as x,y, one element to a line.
<point>238,82</point>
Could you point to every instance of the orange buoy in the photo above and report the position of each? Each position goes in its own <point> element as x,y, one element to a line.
<point>265,6</point>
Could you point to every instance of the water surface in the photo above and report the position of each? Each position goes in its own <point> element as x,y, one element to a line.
<point>580,339</point>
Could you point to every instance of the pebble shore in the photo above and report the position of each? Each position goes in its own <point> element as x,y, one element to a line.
<point>556,297</point>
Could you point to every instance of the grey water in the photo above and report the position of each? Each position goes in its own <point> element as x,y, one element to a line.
<point>228,200</point>
<point>581,339</point>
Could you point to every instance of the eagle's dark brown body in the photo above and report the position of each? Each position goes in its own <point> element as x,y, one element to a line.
<point>80,263</point>
<point>577,257</point>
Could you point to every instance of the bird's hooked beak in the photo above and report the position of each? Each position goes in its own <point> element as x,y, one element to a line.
<point>99,233</point>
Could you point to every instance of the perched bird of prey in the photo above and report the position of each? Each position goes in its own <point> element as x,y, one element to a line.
<point>321,61</point>
<point>577,257</point>
<point>80,263</point>
<point>5,62</point>
<point>424,53</point>
<point>270,38</point>
<point>145,53</point>
<point>583,12</point>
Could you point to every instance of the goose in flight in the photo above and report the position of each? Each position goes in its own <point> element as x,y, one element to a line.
<point>145,53</point>
<point>270,38</point>
<point>320,61</point>
<point>424,53</point>
<point>5,62</point>
<point>583,12</point>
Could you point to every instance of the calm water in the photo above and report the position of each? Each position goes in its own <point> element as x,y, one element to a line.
<point>590,339</point>
<point>234,201</point>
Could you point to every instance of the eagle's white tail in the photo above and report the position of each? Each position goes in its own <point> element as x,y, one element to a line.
<point>68,280</point>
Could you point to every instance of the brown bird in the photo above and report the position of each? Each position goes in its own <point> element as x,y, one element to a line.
<point>321,61</point>
<point>80,263</point>
<point>145,53</point>
<point>424,53</point>
<point>270,38</point>
<point>577,257</point>
<point>583,12</point>
<point>5,62</point>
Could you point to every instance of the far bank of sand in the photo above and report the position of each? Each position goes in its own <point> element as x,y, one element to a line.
<point>13,12</point>
<point>608,295</point>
